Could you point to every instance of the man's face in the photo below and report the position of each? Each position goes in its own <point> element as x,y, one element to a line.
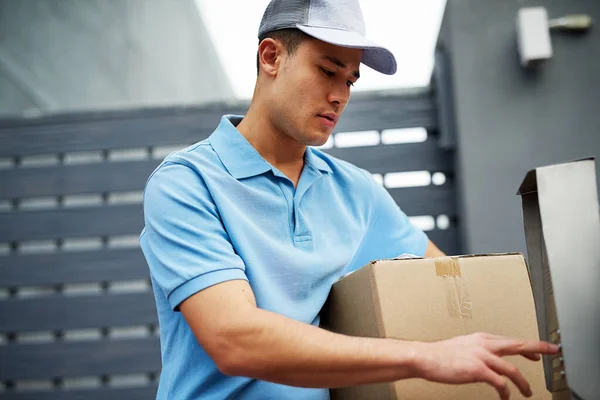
<point>311,89</point>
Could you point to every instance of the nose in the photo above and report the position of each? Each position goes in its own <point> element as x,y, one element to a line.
<point>339,95</point>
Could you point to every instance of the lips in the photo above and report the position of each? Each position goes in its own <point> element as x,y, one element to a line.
<point>327,121</point>
<point>330,116</point>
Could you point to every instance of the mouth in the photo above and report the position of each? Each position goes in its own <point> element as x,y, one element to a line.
<point>329,117</point>
<point>327,122</point>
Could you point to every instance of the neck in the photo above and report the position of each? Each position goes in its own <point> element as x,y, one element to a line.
<point>275,146</point>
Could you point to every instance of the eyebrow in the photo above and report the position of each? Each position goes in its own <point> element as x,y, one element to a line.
<point>340,64</point>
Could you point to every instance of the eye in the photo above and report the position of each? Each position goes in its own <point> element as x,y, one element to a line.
<point>327,72</point>
<point>349,83</point>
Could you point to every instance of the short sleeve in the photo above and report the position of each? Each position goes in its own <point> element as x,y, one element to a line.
<point>184,241</point>
<point>390,231</point>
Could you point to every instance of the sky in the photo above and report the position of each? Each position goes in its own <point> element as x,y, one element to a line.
<point>408,28</point>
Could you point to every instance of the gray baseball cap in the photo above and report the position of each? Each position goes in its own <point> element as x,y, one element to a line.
<point>339,22</point>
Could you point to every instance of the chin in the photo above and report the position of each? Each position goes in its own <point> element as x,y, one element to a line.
<point>316,140</point>
<point>316,137</point>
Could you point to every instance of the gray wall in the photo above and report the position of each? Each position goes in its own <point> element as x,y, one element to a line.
<point>67,55</point>
<point>510,120</point>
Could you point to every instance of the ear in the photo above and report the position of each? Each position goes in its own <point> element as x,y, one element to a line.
<point>270,56</point>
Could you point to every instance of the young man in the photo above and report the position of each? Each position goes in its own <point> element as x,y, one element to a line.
<point>247,231</point>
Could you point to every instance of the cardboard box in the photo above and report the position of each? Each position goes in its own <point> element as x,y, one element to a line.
<point>435,299</point>
<point>562,228</point>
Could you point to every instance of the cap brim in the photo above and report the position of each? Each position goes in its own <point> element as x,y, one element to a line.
<point>375,56</point>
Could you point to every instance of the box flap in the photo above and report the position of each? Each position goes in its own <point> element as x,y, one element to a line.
<point>568,202</point>
<point>562,228</point>
<point>529,183</point>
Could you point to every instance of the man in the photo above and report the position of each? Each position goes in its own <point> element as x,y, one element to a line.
<point>247,231</point>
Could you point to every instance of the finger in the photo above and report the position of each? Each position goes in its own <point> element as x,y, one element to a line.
<point>510,347</point>
<point>499,383</point>
<point>507,369</point>
<point>532,356</point>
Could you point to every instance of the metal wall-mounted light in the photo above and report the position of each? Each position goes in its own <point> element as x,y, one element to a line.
<point>534,28</point>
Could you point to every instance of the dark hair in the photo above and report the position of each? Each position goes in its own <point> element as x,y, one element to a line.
<point>291,38</point>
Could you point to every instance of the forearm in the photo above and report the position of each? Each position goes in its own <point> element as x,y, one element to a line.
<point>274,348</point>
<point>247,341</point>
<point>433,250</point>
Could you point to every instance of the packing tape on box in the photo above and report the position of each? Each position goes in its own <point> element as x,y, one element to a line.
<point>455,286</point>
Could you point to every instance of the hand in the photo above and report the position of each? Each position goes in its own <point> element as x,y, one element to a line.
<point>478,358</point>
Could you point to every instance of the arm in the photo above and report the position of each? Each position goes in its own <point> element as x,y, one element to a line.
<point>247,341</point>
<point>244,340</point>
<point>433,251</point>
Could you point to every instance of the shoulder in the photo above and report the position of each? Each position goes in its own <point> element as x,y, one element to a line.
<point>189,163</point>
<point>198,157</point>
<point>181,177</point>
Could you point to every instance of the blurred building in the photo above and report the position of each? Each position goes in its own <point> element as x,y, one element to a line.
<point>70,55</point>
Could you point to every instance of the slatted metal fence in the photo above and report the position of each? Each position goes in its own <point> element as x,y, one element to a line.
<point>77,315</point>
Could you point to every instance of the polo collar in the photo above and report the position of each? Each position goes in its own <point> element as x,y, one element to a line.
<point>240,158</point>
<point>237,154</point>
<point>316,161</point>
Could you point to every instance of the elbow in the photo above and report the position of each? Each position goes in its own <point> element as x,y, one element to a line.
<point>233,358</point>
<point>228,364</point>
<point>233,364</point>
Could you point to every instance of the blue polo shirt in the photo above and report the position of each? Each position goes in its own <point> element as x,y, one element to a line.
<point>217,211</point>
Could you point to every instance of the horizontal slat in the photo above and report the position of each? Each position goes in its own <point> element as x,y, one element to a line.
<point>103,393</point>
<point>397,157</point>
<point>166,126</point>
<point>85,358</point>
<point>50,313</point>
<point>73,267</point>
<point>131,176</point>
<point>381,111</point>
<point>426,200</point>
<point>70,223</point>
<point>447,240</point>
<point>75,179</point>
<point>100,134</point>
